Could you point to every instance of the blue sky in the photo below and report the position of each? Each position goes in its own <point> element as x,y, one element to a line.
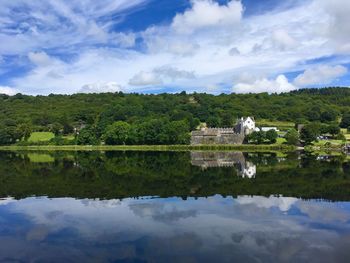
<point>153,46</point>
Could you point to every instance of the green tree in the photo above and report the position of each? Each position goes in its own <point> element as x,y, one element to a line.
<point>117,133</point>
<point>292,137</point>
<point>67,128</point>
<point>87,136</point>
<point>271,136</point>
<point>56,128</point>
<point>329,115</point>
<point>333,129</point>
<point>345,121</point>
<point>257,137</point>
<point>177,132</point>
<point>227,119</point>
<point>24,130</point>
<point>213,121</point>
<point>309,133</point>
<point>5,136</point>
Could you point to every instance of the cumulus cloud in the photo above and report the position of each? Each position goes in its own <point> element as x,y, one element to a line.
<point>209,38</point>
<point>8,90</point>
<point>320,75</point>
<point>278,85</point>
<point>100,87</point>
<point>145,78</point>
<point>339,26</point>
<point>207,13</point>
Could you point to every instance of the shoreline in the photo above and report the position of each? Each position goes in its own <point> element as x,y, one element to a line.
<point>243,147</point>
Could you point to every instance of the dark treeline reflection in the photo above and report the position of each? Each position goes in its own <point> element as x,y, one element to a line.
<point>184,174</point>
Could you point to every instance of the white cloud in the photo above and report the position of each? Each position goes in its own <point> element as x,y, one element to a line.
<point>283,40</point>
<point>125,40</point>
<point>100,87</point>
<point>207,13</point>
<point>39,58</point>
<point>320,75</point>
<point>8,90</point>
<point>145,78</point>
<point>278,85</point>
<point>221,47</point>
<point>68,23</point>
<point>174,73</point>
<point>339,25</point>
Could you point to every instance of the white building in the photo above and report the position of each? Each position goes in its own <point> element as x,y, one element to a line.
<point>265,129</point>
<point>248,123</point>
<point>245,125</point>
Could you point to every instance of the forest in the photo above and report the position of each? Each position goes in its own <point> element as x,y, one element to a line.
<point>120,118</point>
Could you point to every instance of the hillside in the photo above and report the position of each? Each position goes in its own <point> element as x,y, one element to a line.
<point>63,113</point>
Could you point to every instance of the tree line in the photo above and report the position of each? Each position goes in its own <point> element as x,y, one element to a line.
<point>158,119</point>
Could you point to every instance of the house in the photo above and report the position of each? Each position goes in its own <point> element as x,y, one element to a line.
<point>265,129</point>
<point>234,135</point>
<point>245,125</point>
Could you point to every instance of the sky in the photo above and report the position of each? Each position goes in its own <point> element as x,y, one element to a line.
<point>155,46</point>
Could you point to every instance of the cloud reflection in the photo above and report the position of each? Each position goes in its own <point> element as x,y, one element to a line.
<point>210,229</point>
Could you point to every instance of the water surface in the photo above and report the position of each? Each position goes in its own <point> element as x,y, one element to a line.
<point>174,207</point>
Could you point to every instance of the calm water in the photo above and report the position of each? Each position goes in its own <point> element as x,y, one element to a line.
<point>174,207</point>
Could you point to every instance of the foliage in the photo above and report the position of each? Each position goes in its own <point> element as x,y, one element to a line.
<point>309,133</point>
<point>292,137</point>
<point>257,137</point>
<point>340,136</point>
<point>113,175</point>
<point>333,129</point>
<point>117,133</point>
<point>61,114</point>
<point>271,136</point>
<point>87,136</point>
<point>345,121</point>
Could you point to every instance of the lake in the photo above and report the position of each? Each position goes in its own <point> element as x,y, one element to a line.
<point>174,207</point>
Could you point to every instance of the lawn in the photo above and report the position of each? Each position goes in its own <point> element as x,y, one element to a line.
<point>346,134</point>
<point>41,136</point>
<point>280,141</point>
<point>323,142</point>
<point>281,125</point>
<point>69,137</point>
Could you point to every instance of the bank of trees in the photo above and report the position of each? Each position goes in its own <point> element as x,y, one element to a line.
<point>62,113</point>
<point>150,132</point>
<point>310,132</point>
<point>260,137</point>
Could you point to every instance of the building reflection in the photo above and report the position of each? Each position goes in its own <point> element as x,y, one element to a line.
<point>205,160</point>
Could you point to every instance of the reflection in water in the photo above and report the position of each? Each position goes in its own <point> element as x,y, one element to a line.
<point>224,159</point>
<point>113,175</point>
<point>214,229</point>
<point>83,208</point>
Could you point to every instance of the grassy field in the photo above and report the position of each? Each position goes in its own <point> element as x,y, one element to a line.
<point>346,134</point>
<point>323,142</point>
<point>280,141</point>
<point>41,136</point>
